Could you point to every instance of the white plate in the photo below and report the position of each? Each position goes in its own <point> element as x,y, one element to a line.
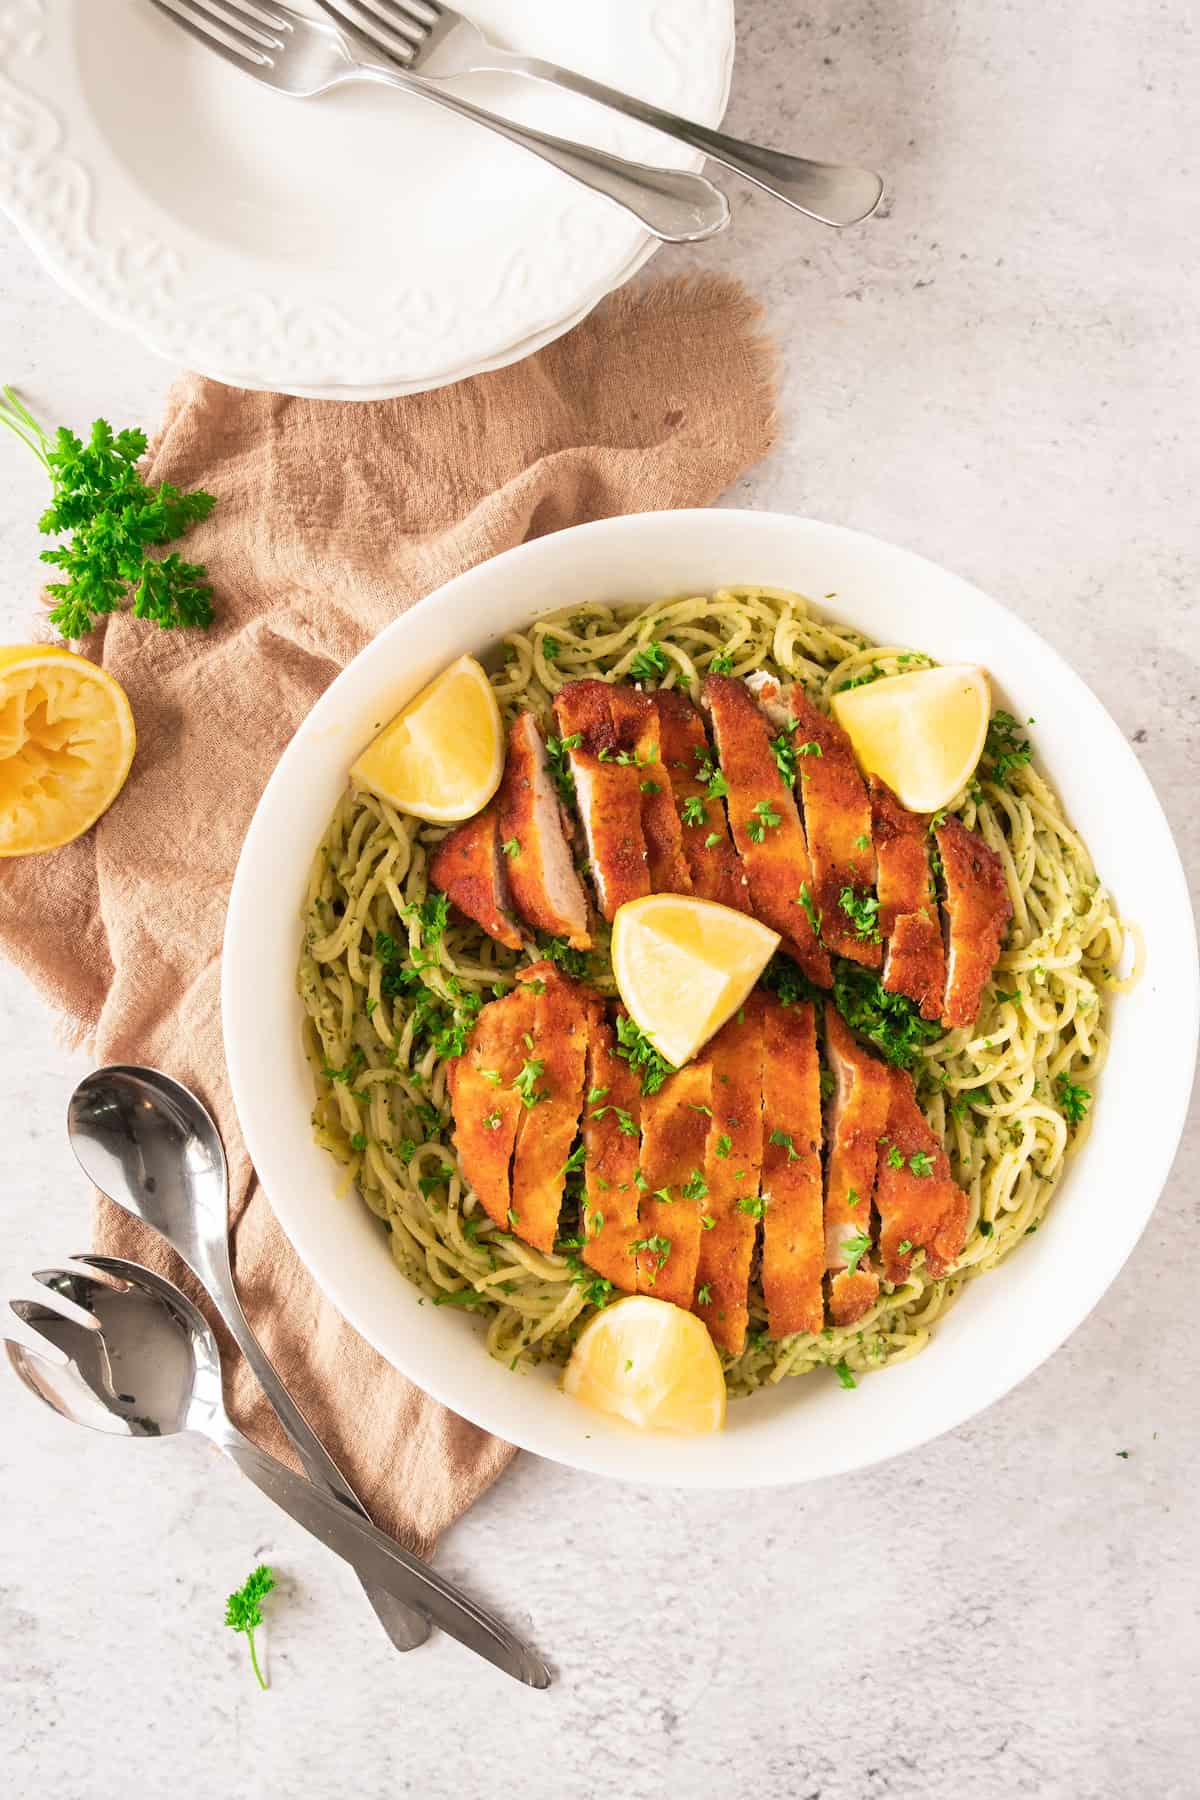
<point>360,244</point>
<point>1007,1322</point>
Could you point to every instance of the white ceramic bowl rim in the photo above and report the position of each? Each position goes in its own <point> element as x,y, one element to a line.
<point>1007,1323</point>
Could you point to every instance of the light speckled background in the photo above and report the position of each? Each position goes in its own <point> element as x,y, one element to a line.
<point>1003,372</point>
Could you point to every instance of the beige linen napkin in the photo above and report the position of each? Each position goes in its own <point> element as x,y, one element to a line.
<point>332,519</point>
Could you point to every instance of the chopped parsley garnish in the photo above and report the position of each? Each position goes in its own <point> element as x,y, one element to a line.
<point>827,1084</point>
<point>854,1249</point>
<point>842,1370</point>
<point>854,1198</point>
<point>653,1246</point>
<point>872,672</point>
<point>597,1289</point>
<point>904,1246</point>
<point>574,1162</point>
<point>695,1187</point>
<point>754,1204</point>
<point>532,1070</point>
<point>596,1094</point>
<point>651,787</point>
<point>596,1224</point>
<point>243,1611</point>
<point>640,1054</point>
<point>720,664</point>
<point>1004,749</point>
<point>764,819</point>
<point>511,847</point>
<point>560,769</point>
<point>724,1145</point>
<point>492,1122</point>
<point>784,752</point>
<point>649,663</point>
<point>786,1142</point>
<point>550,648</point>
<point>692,811</point>
<point>707,1222</point>
<point>431,915</point>
<point>862,910</point>
<point>812,911</point>
<point>626,1123</point>
<point>890,1022</point>
<point>862,843</point>
<point>1073,1101</point>
<point>359,1141</point>
<point>894,1158</point>
<point>557,950</point>
<point>985,1228</point>
<point>921,1163</point>
<point>713,838</point>
<point>1005,999</point>
<point>704,1295</point>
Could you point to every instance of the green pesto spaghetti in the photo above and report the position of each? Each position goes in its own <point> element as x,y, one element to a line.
<point>392,982</point>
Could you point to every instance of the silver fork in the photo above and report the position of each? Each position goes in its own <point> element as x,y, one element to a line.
<point>428,37</point>
<point>301,57</point>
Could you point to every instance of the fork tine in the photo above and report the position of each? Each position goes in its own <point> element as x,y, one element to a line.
<point>368,25</point>
<point>211,33</point>
<point>398,17</point>
<point>244,23</point>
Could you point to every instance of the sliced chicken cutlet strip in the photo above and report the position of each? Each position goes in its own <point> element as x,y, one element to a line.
<point>837,823</point>
<point>674,1129</point>
<point>732,1166</point>
<point>919,1206</point>
<point>857,1116</point>
<point>612,1144</point>
<point>487,1108</point>
<point>635,719</point>
<point>765,823</point>
<point>607,792</point>
<point>554,1070</point>
<point>978,910</point>
<point>793,1260</point>
<point>546,889</point>
<point>915,961</point>
<point>469,868</point>
<point>708,849</point>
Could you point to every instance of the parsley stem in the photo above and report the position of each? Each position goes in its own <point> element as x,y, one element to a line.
<point>21,422</point>
<point>254,1660</point>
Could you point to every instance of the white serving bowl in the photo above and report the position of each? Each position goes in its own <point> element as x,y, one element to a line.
<point>1006,1323</point>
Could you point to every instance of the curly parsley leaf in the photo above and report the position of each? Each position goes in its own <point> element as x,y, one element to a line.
<point>1073,1101</point>
<point>243,1610</point>
<point>1004,749</point>
<point>111,519</point>
<point>640,1054</point>
<point>650,663</point>
<point>888,1021</point>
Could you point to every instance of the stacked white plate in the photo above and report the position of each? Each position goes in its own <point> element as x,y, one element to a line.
<point>355,246</point>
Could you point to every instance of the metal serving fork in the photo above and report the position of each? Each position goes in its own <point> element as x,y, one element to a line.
<point>428,37</point>
<point>301,57</point>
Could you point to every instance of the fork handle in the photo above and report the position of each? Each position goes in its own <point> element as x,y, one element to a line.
<point>829,192</point>
<point>383,1564</point>
<point>673,204</point>
<point>406,1628</point>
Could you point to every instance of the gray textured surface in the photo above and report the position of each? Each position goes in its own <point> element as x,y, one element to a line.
<point>1004,373</point>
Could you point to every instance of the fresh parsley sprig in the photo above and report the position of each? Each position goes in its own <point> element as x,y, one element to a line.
<point>243,1610</point>
<point>110,520</point>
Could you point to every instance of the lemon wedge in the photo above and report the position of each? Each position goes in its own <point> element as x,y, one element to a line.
<point>683,966</point>
<point>650,1363</point>
<point>922,733</point>
<point>442,756</point>
<point>66,743</point>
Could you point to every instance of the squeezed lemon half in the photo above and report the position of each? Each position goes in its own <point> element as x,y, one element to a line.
<point>683,966</point>
<point>442,756</point>
<point>650,1363</point>
<point>922,733</point>
<point>66,742</point>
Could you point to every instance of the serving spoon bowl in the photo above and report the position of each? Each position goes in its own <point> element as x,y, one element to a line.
<point>152,1146</point>
<point>139,1360</point>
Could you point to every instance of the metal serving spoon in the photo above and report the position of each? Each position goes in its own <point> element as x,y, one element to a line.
<point>142,1362</point>
<point>149,1144</point>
